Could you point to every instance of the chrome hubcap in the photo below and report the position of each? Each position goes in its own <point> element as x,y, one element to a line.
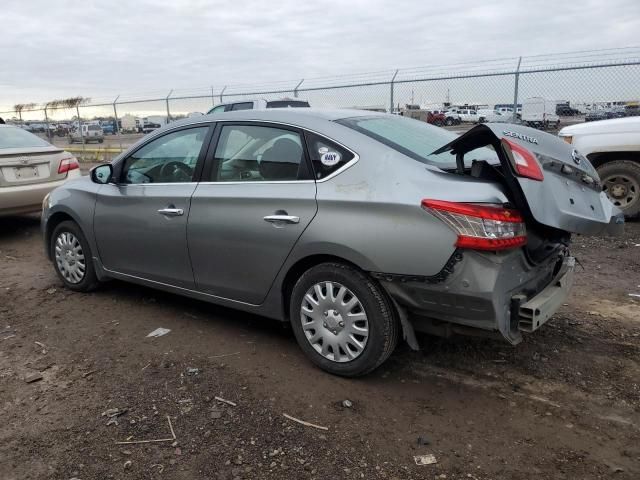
<point>69,257</point>
<point>621,190</point>
<point>334,322</point>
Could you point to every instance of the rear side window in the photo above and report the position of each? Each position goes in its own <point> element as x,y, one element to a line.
<point>288,104</point>
<point>242,106</point>
<point>253,153</point>
<point>326,156</point>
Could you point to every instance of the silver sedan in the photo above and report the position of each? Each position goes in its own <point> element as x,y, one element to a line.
<point>30,167</point>
<point>358,228</point>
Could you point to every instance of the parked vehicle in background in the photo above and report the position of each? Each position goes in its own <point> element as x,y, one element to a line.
<point>565,110</point>
<point>259,104</point>
<point>596,115</point>
<point>251,210</point>
<point>86,133</point>
<point>613,147</point>
<point>465,114</point>
<point>128,124</point>
<point>150,127</point>
<point>62,129</point>
<point>632,110</point>
<point>538,112</point>
<point>108,127</point>
<point>424,115</point>
<point>30,167</point>
<point>488,115</point>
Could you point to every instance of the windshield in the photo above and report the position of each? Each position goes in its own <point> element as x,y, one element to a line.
<point>12,137</point>
<point>414,138</point>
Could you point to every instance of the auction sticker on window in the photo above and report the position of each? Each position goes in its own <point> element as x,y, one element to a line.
<point>330,158</point>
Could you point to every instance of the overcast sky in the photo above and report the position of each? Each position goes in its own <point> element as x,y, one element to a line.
<point>99,49</point>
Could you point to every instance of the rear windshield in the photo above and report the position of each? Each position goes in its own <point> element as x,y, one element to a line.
<point>13,137</point>
<point>414,138</point>
<point>94,127</point>
<point>287,103</point>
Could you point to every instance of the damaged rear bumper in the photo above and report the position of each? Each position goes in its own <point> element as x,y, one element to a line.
<point>492,293</point>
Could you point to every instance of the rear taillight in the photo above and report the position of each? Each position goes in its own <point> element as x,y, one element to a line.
<point>480,226</point>
<point>67,164</point>
<point>524,162</point>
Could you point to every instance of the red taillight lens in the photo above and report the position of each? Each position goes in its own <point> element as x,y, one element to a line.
<point>68,163</point>
<point>524,162</point>
<point>478,226</point>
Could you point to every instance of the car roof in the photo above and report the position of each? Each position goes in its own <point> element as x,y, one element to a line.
<point>303,117</point>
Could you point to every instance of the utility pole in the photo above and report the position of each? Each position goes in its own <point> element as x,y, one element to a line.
<point>392,91</point>
<point>515,92</point>
<point>168,112</point>
<point>117,125</point>
<point>295,90</point>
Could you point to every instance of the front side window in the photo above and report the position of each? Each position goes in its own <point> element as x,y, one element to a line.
<point>171,158</point>
<point>249,153</point>
<point>218,109</point>
<point>326,156</point>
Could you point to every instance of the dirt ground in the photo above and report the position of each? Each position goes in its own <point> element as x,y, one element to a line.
<point>564,404</point>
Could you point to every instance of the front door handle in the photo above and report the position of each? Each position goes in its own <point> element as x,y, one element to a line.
<point>281,219</point>
<point>171,212</point>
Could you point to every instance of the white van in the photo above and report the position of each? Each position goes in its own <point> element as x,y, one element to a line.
<point>90,133</point>
<point>539,113</point>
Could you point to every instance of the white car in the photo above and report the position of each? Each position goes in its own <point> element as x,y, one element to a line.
<point>259,104</point>
<point>465,114</point>
<point>30,168</point>
<point>613,147</point>
<point>489,115</point>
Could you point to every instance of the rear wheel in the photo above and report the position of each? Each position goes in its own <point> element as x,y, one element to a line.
<point>342,320</point>
<point>621,183</point>
<point>72,257</point>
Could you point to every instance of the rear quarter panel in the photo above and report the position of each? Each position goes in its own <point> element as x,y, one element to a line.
<point>371,214</point>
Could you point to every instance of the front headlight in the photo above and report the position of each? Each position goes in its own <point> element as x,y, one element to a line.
<point>567,138</point>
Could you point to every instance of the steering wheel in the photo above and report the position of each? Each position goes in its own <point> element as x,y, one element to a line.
<point>176,171</point>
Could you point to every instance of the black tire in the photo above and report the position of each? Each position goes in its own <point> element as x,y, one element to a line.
<point>89,281</point>
<point>449,121</point>
<point>630,170</point>
<point>382,321</point>
<point>101,140</point>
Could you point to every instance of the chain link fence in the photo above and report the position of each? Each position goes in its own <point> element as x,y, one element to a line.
<point>585,81</point>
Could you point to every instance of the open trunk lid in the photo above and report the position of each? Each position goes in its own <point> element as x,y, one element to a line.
<point>569,195</point>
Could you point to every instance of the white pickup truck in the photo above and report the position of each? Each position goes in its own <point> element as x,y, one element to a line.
<point>613,147</point>
<point>464,114</point>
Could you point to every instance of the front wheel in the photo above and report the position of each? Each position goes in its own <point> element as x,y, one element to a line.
<point>343,321</point>
<point>72,257</point>
<point>621,183</point>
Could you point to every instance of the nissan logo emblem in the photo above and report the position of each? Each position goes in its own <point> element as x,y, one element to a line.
<point>576,157</point>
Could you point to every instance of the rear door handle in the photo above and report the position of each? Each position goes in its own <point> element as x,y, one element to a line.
<point>281,219</point>
<point>171,212</point>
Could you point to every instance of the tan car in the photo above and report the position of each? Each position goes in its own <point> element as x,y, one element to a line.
<point>30,167</point>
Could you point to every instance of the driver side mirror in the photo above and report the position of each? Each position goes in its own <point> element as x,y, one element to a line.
<point>102,174</point>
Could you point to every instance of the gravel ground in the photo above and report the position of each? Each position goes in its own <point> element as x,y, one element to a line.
<point>564,404</point>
